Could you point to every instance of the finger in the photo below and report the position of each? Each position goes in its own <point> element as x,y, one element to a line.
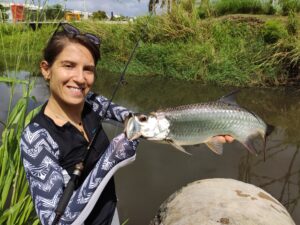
<point>228,138</point>
<point>220,139</point>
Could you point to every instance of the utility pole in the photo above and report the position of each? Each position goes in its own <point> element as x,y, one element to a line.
<point>85,13</point>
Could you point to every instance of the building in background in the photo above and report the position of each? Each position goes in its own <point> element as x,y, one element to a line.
<point>20,12</point>
<point>72,16</point>
<point>17,12</point>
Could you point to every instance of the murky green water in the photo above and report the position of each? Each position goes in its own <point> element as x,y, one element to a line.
<point>160,170</point>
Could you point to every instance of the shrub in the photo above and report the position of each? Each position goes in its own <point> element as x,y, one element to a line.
<point>293,24</point>
<point>273,31</point>
<point>205,9</point>
<point>223,7</point>
<point>288,6</point>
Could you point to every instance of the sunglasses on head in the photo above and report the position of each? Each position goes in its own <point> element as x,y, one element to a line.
<point>69,29</point>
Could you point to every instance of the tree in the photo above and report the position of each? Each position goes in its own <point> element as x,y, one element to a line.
<point>151,5</point>
<point>3,14</point>
<point>99,15</point>
<point>54,12</point>
<point>163,3</point>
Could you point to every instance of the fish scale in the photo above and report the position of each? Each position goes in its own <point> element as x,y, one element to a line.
<point>206,120</point>
<point>215,116</point>
<point>201,123</point>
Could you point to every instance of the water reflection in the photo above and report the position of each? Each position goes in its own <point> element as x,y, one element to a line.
<point>40,92</point>
<point>159,169</point>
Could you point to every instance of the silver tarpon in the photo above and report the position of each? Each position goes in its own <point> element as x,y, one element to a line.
<point>200,123</point>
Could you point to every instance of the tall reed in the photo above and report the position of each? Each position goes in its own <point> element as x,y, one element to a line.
<point>15,205</point>
<point>20,48</point>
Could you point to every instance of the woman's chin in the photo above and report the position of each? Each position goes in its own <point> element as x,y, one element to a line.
<point>74,100</point>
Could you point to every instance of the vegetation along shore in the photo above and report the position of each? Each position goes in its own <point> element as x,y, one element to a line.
<point>188,43</point>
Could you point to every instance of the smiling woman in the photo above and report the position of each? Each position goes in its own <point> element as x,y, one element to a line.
<point>70,78</point>
<point>54,144</point>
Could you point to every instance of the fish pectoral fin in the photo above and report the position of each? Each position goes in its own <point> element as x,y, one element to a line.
<point>248,143</point>
<point>179,147</point>
<point>215,145</point>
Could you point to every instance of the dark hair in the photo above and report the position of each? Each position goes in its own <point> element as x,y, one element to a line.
<point>58,42</point>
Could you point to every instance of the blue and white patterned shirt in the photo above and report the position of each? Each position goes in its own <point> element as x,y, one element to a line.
<point>50,152</point>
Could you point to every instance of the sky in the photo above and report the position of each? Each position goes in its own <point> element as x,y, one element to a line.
<point>119,7</point>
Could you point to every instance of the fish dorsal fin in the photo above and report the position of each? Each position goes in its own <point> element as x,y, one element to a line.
<point>179,147</point>
<point>229,98</point>
<point>215,145</point>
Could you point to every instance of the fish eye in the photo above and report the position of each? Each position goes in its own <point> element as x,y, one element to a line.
<point>143,118</point>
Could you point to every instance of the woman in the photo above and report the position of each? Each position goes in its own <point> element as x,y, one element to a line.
<point>57,138</point>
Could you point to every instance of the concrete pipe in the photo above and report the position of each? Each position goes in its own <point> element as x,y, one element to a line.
<point>222,201</point>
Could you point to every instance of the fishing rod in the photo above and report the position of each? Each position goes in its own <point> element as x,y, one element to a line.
<point>79,167</point>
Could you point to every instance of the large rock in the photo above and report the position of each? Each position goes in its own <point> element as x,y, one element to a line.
<point>222,201</point>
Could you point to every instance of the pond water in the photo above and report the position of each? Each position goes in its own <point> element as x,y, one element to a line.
<point>160,170</point>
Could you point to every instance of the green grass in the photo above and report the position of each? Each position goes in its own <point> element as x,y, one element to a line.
<point>16,206</point>
<point>239,50</point>
<point>231,50</point>
<point>21,47</point>
<point>17,45</point>
<point>225,7</point>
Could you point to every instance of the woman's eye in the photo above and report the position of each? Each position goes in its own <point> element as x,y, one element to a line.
<point>68,66</point>
<point>89,69</point>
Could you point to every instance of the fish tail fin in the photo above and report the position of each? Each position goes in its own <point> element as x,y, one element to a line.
<point>270,129</point>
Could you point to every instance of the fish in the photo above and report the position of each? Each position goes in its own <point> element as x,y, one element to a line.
<point>199,123</point>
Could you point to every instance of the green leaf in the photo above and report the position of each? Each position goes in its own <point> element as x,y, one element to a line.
<point>10,211</point>
<point>32,114</point>
<point>36,222</point>
<point>28,207</point>
<point>34,98</point>
<point>4,169</point>
<point>6,189</point>
<point>18,111</point>
<point>126,221</point>
<point>12,80</point>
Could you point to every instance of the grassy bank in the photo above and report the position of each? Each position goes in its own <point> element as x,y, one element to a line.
<point>238,50</point>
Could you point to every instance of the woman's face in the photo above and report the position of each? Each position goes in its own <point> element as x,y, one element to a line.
<point>71,76</point>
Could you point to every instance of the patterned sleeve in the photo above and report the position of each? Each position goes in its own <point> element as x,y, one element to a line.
<point>114,111</point>
<point>39,153</point>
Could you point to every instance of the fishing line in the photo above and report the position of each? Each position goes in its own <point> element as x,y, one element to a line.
<point>79,167</point>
